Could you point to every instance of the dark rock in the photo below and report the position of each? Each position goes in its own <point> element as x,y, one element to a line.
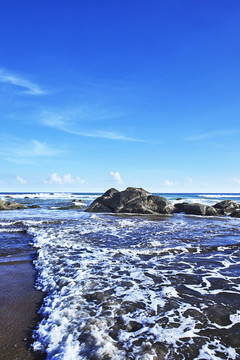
<point>34,207</point>
<point>131,200</point>
<point>110,192</point>
<point>179,199</point>
<point>160,204</point>
<point>200,209</point>
<point>98,207</point>
<point>10,205</point>
<point>211,211</point>
<point>180,207</point>
<point>105,203</point>
<point>8,197</point>
<point>195,209</point>
<point>226,207</point>
<point>70,207</point>
<point>26,197</point>
<point>236,213</point>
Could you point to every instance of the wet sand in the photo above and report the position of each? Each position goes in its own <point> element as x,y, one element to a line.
<point>19,303</point>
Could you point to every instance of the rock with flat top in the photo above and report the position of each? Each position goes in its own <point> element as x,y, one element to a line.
<point>195,209</point>
<point>10,205</point>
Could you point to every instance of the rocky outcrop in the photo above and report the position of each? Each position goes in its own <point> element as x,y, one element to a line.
<point>195,209</point>
<point>140,201</point>
<point>131,200</point>
<point>226,207</point>
<point>10,205</point>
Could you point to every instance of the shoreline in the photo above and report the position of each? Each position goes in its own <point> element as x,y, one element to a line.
<point>19,305</point>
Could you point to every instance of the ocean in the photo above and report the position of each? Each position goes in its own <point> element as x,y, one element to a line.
<point>129,286</point>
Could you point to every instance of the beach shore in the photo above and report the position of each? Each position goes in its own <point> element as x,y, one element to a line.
<point>19,303</point>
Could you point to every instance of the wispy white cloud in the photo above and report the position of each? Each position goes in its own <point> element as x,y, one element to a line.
<point>117,177</point>
<point>80,181</point>
<point>188,181</point>
<point>16,150</point>
<point>213,134</point>
<point>19,81</point>
<point>20,179</point>
<point>68,124</point>
<point>66,179</point>
<point>168,183</point>
<point>236,181</point>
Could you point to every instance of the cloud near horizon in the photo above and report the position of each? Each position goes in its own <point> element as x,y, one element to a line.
<point>15,80</point>
<point>168,183</point>
<point>66,179</point>
<point>21,180</point>
<point>20,150</point>
<point>117,177</point>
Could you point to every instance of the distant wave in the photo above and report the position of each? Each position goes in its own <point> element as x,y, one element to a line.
<point>219,196</point>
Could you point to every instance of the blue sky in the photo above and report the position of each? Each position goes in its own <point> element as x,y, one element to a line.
<point>101,93</point>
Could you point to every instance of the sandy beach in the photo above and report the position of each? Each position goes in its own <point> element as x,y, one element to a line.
<point>19,303</point>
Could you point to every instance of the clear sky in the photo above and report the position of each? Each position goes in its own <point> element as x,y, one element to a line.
<point>115,93</point>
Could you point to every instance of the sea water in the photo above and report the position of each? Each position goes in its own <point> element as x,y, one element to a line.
<point>127,286</point>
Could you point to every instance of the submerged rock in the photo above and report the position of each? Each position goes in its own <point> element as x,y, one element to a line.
<point>10,205</point>
<point>34,207</point>
<point>70,207</point>
<point>131,200</point>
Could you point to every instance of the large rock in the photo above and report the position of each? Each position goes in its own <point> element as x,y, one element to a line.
<point>226,207</point>
<point>10,205</point>
<point>131,200</point>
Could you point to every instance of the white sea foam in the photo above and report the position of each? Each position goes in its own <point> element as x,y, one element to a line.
<point>220,195</point>
<point>210,350</point>
<point>110,297</point>
<point>131,287</point>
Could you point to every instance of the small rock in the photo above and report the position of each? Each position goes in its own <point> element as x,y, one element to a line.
<point>71,207</point>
